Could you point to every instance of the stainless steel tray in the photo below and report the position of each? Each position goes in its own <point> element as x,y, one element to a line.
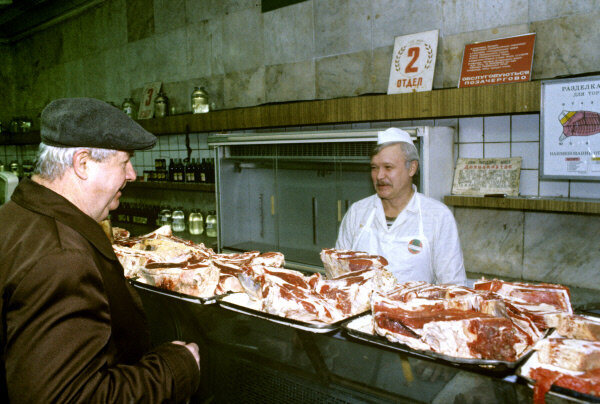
<point>355,328</point>
<point>170,293</point>
<point>240,303</point>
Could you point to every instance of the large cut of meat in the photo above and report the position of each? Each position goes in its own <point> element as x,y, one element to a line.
<point>586,382</point>
<point>169,262</point>
<point>575,326</point>
<point>536,300</point>
<point>339,262</point>
<point>291,294</point>
<point>452,320</point>
<point>568,353</point>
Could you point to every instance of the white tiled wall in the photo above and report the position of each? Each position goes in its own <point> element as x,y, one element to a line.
<point>477,137</point>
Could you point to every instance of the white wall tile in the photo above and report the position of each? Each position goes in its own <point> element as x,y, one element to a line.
<point>525,128</point>
<point>423,122</point>
<point>554,188</point>
<point>496,128</point>
<point>453,122</point>
<point>529,182</point>
<point>470,130</point>
<point>401,124</point>
<point>491,150</point>
<point>470,150</point>
<point>586,189</point>
<point>530,153</point>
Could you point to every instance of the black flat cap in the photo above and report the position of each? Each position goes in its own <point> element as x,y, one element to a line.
<point>88,122</point>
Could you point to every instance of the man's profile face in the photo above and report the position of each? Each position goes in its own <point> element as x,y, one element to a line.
<point>108,179</point>
<point>389,174</point>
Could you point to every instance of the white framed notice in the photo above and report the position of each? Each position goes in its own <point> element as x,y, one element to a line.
<point>149,94</point>
<point>570,129</point>
<point>413,62</point>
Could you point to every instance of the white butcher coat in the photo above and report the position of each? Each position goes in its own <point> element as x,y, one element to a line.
<point>421,245</point>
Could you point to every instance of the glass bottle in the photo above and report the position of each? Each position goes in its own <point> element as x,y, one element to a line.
<point>199,100</point>
<point>129,108</point>
<point>195,222</point>
<point>161,106</point>
<point>178,219</point>
<point>211,224</point>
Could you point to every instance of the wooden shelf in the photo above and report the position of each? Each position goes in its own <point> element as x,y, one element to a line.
<point>179,186</point>
<point>454,102</point>
<point>589,206</point>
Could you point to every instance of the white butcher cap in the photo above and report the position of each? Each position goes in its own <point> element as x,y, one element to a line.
<point>393,135</point>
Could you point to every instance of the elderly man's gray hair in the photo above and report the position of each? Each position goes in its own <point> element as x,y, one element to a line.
<point>52,162</point>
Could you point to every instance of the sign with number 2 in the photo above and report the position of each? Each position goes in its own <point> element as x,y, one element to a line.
<point>413,63</point>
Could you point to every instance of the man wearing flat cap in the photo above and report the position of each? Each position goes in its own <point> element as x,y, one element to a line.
<point>73,329</point>
<point>417,235</point>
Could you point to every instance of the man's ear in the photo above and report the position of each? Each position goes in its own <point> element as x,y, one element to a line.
<point>81,160</point>
<point>413,168</point>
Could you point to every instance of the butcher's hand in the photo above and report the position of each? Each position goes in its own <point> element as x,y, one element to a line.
<point>193,348</point>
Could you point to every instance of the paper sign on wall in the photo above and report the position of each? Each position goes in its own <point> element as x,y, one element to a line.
<point>413,63</point>
<point>485,176</point>
<point>149,94</point>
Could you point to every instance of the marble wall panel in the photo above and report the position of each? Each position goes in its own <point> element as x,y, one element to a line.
<point>475,15</point>
<point>380,69</point>
<point>289,34</point>
<point>454,46</point>
<point>172,56</point>
<point>140,19</point>
<point>548,9</point>
<point>74,86</point>
<point>110,25</point>
<point>243,40</point>
<point>392,18</point>
<point>95,72</point>
<point>562,248</point>
<point>7,83</point>
<point>141,61</point>
<point>72,39</point>
<point>179,93</point>
<point>169,15</point>
<point>291,81</point>
<point>344,75</point>
<point>118,78</point>
<point>201,10</point>
<point>205,48</point>
<point>567,45</point>
<point>491,240</point>
<point>46,48</point>
<point>342,26</point>
<point>244,88</point>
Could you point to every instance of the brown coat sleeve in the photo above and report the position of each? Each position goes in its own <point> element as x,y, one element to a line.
<point>59,348</point>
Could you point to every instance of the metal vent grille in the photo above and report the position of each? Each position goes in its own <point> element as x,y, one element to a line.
<point>342,149</point>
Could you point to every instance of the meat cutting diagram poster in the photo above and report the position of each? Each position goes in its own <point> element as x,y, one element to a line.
<point>570,129</point>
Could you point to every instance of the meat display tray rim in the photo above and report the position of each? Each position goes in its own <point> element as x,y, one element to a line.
<point>302,325</point>
<point>173,294</point>
<point>491,365</point>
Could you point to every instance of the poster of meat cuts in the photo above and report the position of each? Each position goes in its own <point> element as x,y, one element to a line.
<point>491,176</point>
<point>570,129</point>
<point>413,62</point>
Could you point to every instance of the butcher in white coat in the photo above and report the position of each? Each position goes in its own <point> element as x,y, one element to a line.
<point>415,233</point>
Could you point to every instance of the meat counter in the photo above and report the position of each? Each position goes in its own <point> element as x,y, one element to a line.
<point>247,359</point>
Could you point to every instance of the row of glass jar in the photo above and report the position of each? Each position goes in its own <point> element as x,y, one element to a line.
<point>199,98</point>
<point>196,223</point>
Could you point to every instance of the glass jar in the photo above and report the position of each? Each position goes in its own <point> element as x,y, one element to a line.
<point>129,108</point>
<point>178,219</point>
<point>196,222</point>
<point>164,217</point>
<point>15,168</point>
<point>211,224</point>
<point>161,106</point>
<point>199,100</point>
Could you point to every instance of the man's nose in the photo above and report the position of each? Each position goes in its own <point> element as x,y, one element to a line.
<point>130,174</point>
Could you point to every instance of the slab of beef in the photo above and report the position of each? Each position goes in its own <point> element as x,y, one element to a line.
<point>575,326</point>
<point>536,300</point>
<point>453,320</point>
<point>339,262</point>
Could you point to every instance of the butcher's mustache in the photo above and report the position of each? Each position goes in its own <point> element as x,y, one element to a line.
<point>380,183</point>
